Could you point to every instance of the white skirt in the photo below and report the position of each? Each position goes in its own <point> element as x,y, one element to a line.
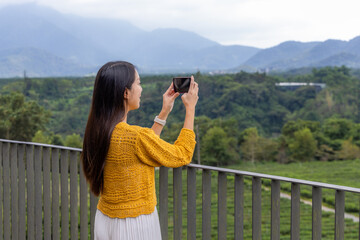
<point>143,227</point>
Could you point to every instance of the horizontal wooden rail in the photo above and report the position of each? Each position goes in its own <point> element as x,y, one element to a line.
<point>44,195</point>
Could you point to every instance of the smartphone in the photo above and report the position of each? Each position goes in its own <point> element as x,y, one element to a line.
<point>181,84</point>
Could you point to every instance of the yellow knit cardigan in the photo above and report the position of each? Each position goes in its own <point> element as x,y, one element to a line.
<point>134,152</point>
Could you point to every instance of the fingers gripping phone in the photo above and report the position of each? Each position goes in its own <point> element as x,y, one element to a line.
<point>181,84</point>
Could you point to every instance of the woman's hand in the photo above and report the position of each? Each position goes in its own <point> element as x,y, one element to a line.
<point>190,98</point>
<point>168,100</point>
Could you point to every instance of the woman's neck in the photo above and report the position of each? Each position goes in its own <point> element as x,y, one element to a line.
<point>125,117</point>
<point>124,120</point>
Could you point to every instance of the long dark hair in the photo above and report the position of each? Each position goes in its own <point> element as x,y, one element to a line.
<point>107,110</point>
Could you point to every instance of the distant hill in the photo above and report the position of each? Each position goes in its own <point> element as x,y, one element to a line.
<point>91,42</point>
<point>37,63</point>
<point>292,55</point>
<point>45,42</point>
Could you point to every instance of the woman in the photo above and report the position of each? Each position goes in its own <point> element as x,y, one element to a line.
<point>119,159</point>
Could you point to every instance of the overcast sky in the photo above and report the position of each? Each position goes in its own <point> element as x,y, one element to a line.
<point>258,23</point>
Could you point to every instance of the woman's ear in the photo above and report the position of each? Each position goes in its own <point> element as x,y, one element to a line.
<point>126,93</point>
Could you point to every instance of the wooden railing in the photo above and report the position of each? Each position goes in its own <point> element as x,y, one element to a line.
<point>44,195</point>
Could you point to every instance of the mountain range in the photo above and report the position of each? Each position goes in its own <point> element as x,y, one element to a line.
<point>45,42</point>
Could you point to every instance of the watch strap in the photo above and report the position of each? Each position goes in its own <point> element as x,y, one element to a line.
<point>159,121</point>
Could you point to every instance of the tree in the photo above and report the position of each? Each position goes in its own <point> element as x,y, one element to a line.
<point>268,149</point>
<point>355,133</point>
<point>325,153</point>
<point>40,137</point>
<point>73,140</point>
<point>282,156</point>
<point>337,128</point>
<point>250,144</point>
<point>332,76</point>
<point>349,151</point>
<point>21,119</point>
<point>50,138</point>
<point>217,147</point>
<point>303,145</point>
<point>257,148</point>
<point>57,140</point>
<point>291,127</point>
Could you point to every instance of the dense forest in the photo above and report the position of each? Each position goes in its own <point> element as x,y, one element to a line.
<point>240,117</point>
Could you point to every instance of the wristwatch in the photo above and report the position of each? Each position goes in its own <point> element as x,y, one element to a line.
<point>159,121</point>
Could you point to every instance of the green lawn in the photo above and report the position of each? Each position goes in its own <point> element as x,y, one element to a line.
<point>342,173</point>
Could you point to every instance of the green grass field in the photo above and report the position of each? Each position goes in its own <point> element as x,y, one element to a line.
<point>341,173</point>
<point>344,173</point>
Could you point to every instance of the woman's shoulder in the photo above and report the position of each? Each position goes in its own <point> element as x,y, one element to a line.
<point>134,130</point>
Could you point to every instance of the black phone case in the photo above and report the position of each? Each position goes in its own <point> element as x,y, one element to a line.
<point>181,84</point>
